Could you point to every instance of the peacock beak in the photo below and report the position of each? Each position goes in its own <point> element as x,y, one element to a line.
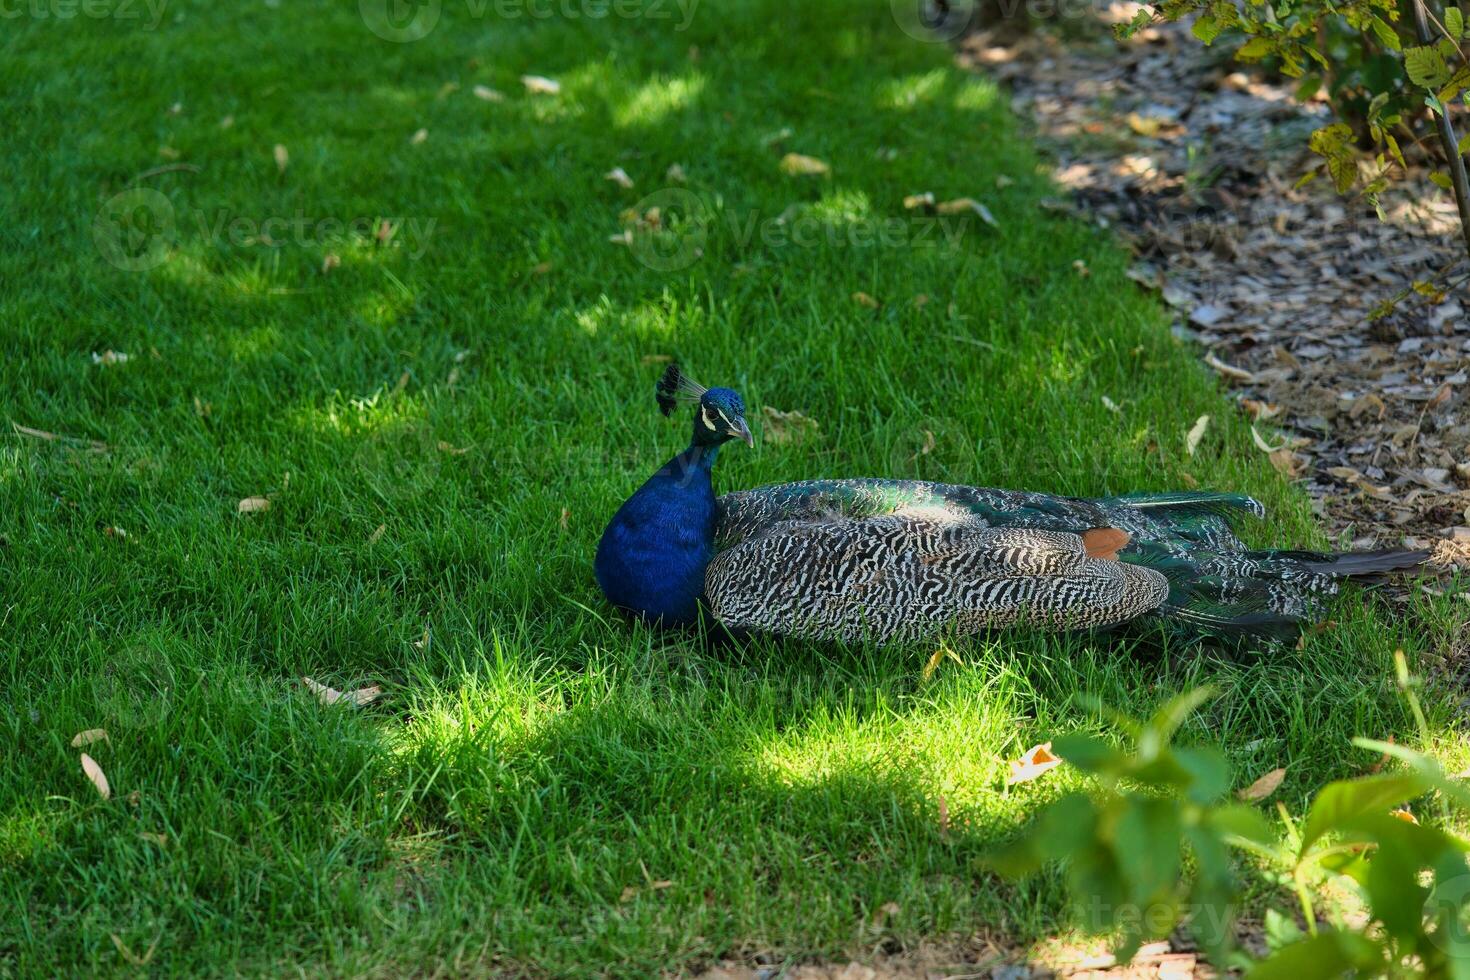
<point>742,431</point>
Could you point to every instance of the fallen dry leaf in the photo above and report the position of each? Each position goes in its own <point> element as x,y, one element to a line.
<point>253,505</point>
<point>96,775</point>
<point>1287,463</point>
<point>160,839</point>
<point>1035,763</point>
<point>1406,815</point>
<point>937,657</point>
<point>418,137</point>
<point>283,157</point>
<point>924,200</point>
<point>863,299</point>
<point>676,174</point>
<point>1080,267</point>
<point>330,261</point>
<point>885,912</point>
<point>89,736</point>
<point>962,204</point>
<point>783,427</point>
<point>129,955</point>
<point>943,817</point>
<point>487,94</point>
<point>798,165</point>
<point>1228,370</point>
<point>330,695</point>
<point>110,357</point>
<point>377,534</point>
<point>1260,411</point>
<point>1262,444</point>
<point>541,85</point>
<point>96,445</point>
<point>629,893</point>
<point>620,177</point>
<point>1196,433</point>
<point>1263,787</point>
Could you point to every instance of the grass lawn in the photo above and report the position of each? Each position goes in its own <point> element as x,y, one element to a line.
<point>443,422</point>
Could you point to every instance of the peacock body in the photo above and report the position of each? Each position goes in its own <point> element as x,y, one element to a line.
<point>904,560</point>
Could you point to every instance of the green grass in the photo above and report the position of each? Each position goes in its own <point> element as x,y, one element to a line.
<point>537,757</point>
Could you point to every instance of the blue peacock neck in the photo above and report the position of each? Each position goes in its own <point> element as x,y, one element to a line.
<point>652,556</point>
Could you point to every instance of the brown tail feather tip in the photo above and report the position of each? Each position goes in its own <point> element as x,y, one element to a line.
<point>1104,542</point>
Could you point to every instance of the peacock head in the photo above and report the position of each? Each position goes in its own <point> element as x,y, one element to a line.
<point>719,413</point>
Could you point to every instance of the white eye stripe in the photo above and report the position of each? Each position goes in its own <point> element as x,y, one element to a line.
<point>704,417</point>
<point>725,418</point>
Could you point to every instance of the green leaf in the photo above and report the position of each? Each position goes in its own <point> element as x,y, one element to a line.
<point>1347,799</point>
<point>1457,84</point>
<point>1244,823</point>
<point>1442,179</point>
<point>1146,843</point>
<point>1089,753</point>
<point>1328,954</point>
<point>1206,28</point>
<point>1464,144</point>
<point>1454,22</point>
<point>1255,49</point>
<point>1280,930</point>
<point>1386,34</point>
<point>1426,67</point>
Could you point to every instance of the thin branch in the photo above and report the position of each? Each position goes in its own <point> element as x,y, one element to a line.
<point>1451,145</point>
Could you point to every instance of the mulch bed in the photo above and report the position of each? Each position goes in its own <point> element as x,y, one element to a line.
<point>1195,165</point>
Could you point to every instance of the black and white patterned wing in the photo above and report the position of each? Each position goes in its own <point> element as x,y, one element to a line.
<point>914,573</point>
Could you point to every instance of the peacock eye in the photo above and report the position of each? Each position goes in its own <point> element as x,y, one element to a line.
<point>704,417</point>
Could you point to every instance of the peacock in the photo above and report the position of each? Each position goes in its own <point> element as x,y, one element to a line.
<point>886,560</point>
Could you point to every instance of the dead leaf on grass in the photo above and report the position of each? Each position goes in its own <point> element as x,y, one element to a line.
<point>283,157</point>
<point>620,177</point>
<point>330,695</point>
<point>1263,787</point>
<point>799,165</point>
<point>782,427</point>
<point>1196,433</point>
<point>253,505</point>
<point>541,85</point>
<point>961,205</point>
<point>89,736</point>
<point>94,772</point>
<point>487,94</point>
<point>1035,763</point>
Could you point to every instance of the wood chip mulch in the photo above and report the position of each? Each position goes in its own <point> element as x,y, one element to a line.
<point>1195,164</point>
